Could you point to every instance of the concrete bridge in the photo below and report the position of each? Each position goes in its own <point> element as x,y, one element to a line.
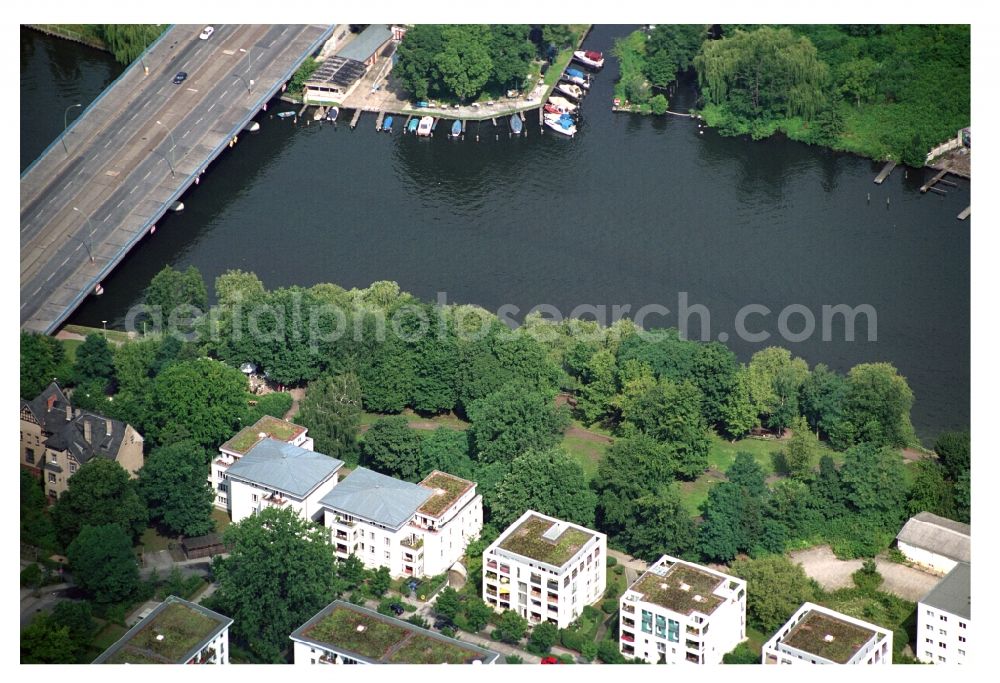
<point>99,188</point>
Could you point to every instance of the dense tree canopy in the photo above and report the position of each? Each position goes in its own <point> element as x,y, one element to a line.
<point>99,493</point>
<point>776,587</point>
<point>545,481</point>
<point>762,74</point>
<point>102,563</point>
<point>332,412</point>
<point>95,361</point>
<point>512,420</point>
<point>392,448</point>
<point>202,400</point>
<point>461,61</point>
<point>280,571</point>
<point>172,482</point>
<point>42,361</point>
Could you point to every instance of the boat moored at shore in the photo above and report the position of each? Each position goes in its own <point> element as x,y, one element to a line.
<point>571,90</point>
<point>562,124</point>
<point>516,124</point>
<point>591,58</point>
<point>425,127</point>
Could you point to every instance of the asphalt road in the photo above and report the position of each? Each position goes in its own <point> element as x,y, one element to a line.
<point>79,210</point>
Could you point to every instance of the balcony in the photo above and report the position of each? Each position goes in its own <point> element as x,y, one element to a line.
<point>275,500</point>
<point>628,622</point>
<point>206,656</point>
<point>692,645</point>
<point>341,534</point>
<point>628,609</point>
<point>628,637</point>
<point>491,564</point>
<point>536,592</point>
<point>414,542</point>
<point>553,599</point>
<point>344,521</point>
<point>327,658</point>
<point>552,585</point>
<point>492,576</point>
<point>224,461</point>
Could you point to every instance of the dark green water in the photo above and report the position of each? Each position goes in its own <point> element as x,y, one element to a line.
<point>632,211</point>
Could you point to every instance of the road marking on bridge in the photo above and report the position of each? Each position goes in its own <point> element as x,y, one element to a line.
<point>92,232</point>
<point>108,143</point>
<point>120,204</point>
<point>65,261</point>
<point>147,174</point>
<point>106,218</point>
<point>133,189</point>
<point>198,121</point>
<point>33,294</point>
<point>185,135</point>
<point>78,247</point>
<point>193,89</point>
<point>212,107</point>
<point>226,92</point>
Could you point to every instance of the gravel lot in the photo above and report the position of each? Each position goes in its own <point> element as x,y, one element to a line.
<point>821,564</point>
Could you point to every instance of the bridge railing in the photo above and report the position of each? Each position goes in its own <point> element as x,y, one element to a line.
<point>70,127</point>
<point>185,184</point>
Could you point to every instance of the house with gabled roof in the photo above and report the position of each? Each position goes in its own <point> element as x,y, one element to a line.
<point>934,542</point>
<point>58,439</point>
<point>413,529</point>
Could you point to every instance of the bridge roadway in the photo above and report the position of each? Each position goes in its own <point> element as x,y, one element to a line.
<point>135,150</point>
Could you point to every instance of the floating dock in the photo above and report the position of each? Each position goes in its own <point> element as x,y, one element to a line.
<point>965,214</point>
<point>884,173</point>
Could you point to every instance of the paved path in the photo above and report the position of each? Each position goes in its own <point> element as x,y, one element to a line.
<point>97,191</point>
<point>822,565</point>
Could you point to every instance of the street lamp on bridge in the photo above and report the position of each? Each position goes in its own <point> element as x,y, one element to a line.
<point>66,124</point>
<point>86,241</point>
<point>172,143</point>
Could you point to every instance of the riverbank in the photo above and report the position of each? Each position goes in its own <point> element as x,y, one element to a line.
<point>85,34</point>
<point>886,110</point>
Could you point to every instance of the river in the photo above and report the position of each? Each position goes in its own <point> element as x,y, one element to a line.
<point>633,211</point>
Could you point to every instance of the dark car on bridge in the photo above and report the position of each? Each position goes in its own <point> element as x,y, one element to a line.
<point>180,77</point>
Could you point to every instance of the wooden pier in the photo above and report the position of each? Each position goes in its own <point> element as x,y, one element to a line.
<point>965,213</point>
<point>354,120</point>
<point>884,173</point>
<point>378,121</point>
<point>929,185</point>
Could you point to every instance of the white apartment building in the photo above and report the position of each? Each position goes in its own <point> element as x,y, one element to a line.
<point>679,612</point>
<point>266,427</point>
<point>934,542</point>
<point>341,633</point>
<point>413,529</point>
<point>944,618</point>
<point>175,632</point>
<point>545,569</point>
<point>277,474</point>
<point>819,635</point>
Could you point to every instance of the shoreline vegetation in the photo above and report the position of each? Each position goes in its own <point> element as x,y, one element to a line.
<point>125,41</point>
<point>886,92</point>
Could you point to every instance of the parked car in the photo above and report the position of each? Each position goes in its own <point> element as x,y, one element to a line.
<point>550,660</point>
<point>441,623</point>
<point>207,33</point>
<point>397,609</point>
<point>180,77</point>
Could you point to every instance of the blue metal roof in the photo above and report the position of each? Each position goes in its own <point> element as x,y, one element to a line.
<point>282,466</point>
<point>377,498</point>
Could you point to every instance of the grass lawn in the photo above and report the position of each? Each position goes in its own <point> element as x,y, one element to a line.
<point>722,453</point>
<point>447,420</point>
<point>152,541</point>
<point>70,346</point>
<point>115,336</point>
<point>221,519</point>
<point>586,453</point>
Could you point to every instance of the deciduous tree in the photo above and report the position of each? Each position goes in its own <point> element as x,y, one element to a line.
<point>102,563</point>
<point>172,482</point>
<point>99,493</point>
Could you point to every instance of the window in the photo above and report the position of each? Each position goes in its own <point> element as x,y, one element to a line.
<point>961,639</point>
<point>962,624</point>
<point>930,613</point>
<point>944,618</point>
<point>929,640</point>
<point>961,652</point>
<point>29,456</point>
<point>72,467</point>
<point>943,646</point>
<point>387,543</point>
<point>52,478</point>
<point>942,632</point>
<point>255,497</point>
<point>387,554</point>
<point>930,627</point>
<point>941,658</point>
<point>928,654</point>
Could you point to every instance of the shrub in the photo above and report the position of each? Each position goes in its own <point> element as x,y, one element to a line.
<point>31,576</point>
<point>741,654</point>
<point>612,561</point>
<point>658,104</point>
<point>566,659</point>
<point>867,578</point>
<point>589,651</point>
<point>514,659</point>
<point>609,605</point>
